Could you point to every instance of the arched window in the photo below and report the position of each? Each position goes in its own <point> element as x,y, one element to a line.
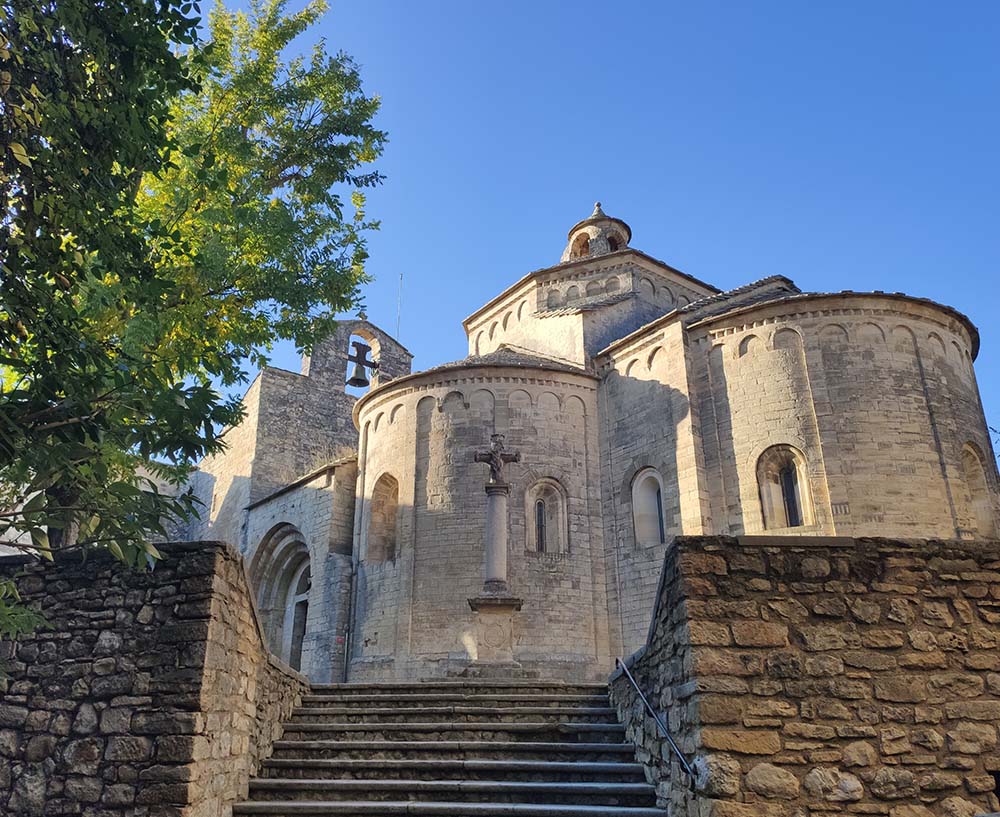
<point>382,520</point>
<point>540,525</point>
<point>553,299</point>
<point>980,512</point>
<point>545,513</point>
<point>613,244</point>
<point>784,488</point>
<point>581,246</point>
<point>647,508</point>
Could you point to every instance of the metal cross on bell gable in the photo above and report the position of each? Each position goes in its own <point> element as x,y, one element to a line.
<point>361,361</point>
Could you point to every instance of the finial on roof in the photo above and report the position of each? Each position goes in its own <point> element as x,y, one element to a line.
<point>598,212</point>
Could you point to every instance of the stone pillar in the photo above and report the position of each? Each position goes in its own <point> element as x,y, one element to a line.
<point>495,564</point>
<point>495,606</point>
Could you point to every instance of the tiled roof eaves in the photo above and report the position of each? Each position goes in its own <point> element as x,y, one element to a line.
<point>719,297</point>
<point>502,358</point>
<point>306,478</point>
<point>585,306</point>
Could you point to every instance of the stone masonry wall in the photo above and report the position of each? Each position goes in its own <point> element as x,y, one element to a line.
<point>319,512</point>
<point>150,694</point>
<point>810,676</point>
<point>877,392</point>
<point>413,618</point>
<point>648,423</point>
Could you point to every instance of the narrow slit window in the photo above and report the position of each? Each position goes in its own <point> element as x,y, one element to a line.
<point>545,518</point>
<point>790,496</point>
<point>540,525</point>
<point>659,513</point>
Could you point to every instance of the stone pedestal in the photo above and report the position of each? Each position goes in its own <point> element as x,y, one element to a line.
<point>495,628</point>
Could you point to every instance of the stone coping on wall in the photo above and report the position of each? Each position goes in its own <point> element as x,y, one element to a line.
<point>298,482</point>
<point>800,543</point>
<point>166,548</point>
<point>13,561</point>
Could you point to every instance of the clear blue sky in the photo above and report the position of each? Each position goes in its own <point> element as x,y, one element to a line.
<point>849,145</point>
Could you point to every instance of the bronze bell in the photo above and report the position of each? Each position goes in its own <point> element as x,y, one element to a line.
<point>358,379</point>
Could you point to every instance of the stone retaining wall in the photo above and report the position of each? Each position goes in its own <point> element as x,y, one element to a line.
<point>151,694</point>
<point>814,676</point>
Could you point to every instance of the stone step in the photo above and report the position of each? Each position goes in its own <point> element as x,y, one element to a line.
<point>459,730</point>
<point>411,699</point>
<point>460,748</point>
<point>465,688</point>
<point>459,714</point>
<point>450,769</point>
<point>582,793</point>
<point>384,808</point>
<point>452,749</point>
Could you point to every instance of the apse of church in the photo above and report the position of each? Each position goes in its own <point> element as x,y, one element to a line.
<point>642,404</point>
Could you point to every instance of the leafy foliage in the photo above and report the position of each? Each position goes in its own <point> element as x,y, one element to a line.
<point>85,112</point>
<point>14,617</point>
<point>169,209</point>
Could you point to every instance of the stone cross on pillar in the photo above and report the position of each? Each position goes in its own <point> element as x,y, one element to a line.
<point>495,606</point>
<point>497,492</point>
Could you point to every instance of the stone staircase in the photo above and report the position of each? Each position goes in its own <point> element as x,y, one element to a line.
<point>516,748</point>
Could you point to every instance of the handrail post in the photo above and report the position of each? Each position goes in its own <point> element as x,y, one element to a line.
<point>665,733</point>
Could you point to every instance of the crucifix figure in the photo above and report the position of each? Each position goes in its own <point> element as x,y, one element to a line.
<point>497,458</point>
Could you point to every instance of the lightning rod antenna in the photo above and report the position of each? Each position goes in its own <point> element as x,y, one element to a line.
<point>399,303</point>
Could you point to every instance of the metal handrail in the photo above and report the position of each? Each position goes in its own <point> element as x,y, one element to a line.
<point>659,722</point>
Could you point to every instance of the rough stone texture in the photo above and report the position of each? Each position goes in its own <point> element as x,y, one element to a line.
<point>151,694</point>
<point>866,689</point>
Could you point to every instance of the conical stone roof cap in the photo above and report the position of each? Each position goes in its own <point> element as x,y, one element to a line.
<point>598,216</point>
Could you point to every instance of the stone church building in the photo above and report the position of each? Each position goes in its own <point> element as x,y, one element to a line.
<point>644,404</point>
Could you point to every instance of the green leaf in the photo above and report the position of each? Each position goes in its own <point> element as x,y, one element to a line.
<point>17,149</point>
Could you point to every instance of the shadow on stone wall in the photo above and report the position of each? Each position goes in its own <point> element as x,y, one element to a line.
<point>151,693</point>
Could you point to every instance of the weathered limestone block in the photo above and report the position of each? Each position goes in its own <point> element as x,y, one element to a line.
<point>717,775</point>
<point>972,738</point>
<point>772,782</point>
<point>833,785</point>
<point>890,783</point>
<point>860,753</point>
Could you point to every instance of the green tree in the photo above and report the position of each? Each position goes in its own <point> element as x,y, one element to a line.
<point>168,213</point>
